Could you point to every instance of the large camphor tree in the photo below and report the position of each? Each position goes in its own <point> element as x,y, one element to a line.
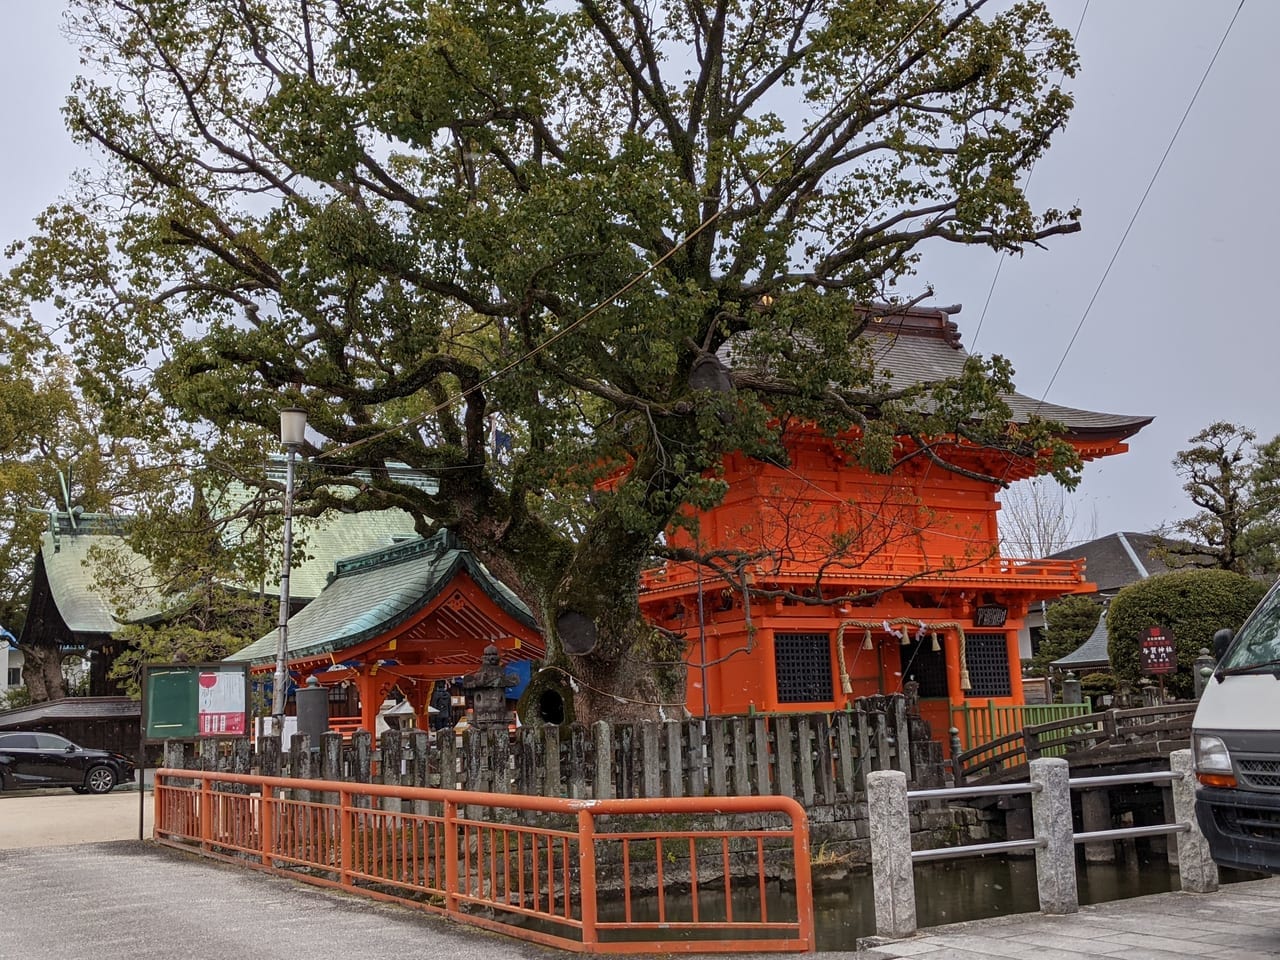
<point>434,224</point>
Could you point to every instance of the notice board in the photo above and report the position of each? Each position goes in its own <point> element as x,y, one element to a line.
<point>185,701</point>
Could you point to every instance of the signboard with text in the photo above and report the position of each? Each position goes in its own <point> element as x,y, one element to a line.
<point>990,615</point>
<point>1156,651</point>
<point>184,701</point>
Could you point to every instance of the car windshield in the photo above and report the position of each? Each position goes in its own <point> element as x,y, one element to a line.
<point>1258,642</point>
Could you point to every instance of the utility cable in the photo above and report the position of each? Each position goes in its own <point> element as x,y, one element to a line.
<point>973,344</point>
<point>1160,166</point>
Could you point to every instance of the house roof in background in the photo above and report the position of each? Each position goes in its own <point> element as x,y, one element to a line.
<point>71,708</point>
<point>320,542</point>
<point>333,536</point>
<point>65,552</point>
<point>1091,653</point>
<point>1119,559</point>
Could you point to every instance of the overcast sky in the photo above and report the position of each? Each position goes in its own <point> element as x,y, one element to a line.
<point>1182,328</point>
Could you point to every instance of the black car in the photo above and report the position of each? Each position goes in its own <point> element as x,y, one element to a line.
<point>48,760</point>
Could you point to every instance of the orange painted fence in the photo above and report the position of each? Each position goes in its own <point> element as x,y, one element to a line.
<point>597,876</point>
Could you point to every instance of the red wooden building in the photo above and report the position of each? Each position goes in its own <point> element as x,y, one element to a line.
<point>916,552</point>
<point>401,618</point>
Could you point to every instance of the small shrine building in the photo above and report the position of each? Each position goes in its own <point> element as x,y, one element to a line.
<point>401,617</point>
<point>916,553</point>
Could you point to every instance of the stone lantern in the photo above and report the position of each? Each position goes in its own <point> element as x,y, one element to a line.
<point>487,687</point>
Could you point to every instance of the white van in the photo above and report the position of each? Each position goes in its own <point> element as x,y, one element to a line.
<point>1235,739</point>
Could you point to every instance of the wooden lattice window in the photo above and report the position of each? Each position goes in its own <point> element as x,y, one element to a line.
<point>927,667</point>
<point>988,657</point>
<point>802,666</point>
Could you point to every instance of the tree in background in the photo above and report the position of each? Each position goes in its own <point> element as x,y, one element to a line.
<point>1038,518</point>
<point>59,451</point>
<point>1235,483</point>
<point>1191,604</point>
<point>421,220</point>
<point>52,455</point>
<point>1068,623</point>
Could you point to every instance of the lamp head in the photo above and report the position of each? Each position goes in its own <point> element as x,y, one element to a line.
<point>293,426</point>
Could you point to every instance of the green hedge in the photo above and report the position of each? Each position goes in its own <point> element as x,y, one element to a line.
<point>1192,604</point>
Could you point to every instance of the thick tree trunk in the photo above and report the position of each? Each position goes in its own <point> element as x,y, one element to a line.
<point>635,687</point>
<point>42,671</point>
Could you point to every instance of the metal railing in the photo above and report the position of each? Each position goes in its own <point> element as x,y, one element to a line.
<point>597,876</point>
<point>1053,841</point>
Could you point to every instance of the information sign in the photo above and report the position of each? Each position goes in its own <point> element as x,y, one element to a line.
<point>189,700</point>
<point>1158,655</point>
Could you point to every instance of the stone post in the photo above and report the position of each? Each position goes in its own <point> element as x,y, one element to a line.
<point>1203,670</point>
<point>1095,814</point>
<point>330,761</point>
<point>1195,865</point>
<point>892,875</point>
<point>1051,817</point>
<point>957,772</point>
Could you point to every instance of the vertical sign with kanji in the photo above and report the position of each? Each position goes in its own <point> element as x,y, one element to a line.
<point>1157,652</point>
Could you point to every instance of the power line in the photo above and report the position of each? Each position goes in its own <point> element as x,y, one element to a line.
<point>1160,166</point>
<point>973,344</point>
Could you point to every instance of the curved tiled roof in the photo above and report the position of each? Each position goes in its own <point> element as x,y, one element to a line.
<point>1091,653</point>
<point>377,591</point>
<point>920,346</point>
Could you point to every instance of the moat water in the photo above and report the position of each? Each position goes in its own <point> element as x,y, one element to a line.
<point>949,891</point>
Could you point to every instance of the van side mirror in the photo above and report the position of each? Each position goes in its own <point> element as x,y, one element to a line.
<point>1221,640</point>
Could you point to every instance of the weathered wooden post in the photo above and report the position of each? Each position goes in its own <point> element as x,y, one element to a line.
<point>602,733</point>
<point>892,874</point>
<point>1051,819</point>
<point>1196,868</point>
<point>392,755</point>
<point>361,762</point>
<point>675,758</point>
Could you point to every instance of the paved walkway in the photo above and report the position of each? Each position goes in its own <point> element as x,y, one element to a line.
<point>65,899</point>
<point>1239,922</point>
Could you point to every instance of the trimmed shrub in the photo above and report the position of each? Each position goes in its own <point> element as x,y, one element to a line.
<point>1191,604</point>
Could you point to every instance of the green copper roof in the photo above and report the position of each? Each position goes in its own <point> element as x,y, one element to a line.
<point>374,592</point>
<point>71,572</point>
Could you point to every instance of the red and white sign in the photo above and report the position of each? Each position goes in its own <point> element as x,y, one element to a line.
<point>222,699</point>
<point>1158,652</point>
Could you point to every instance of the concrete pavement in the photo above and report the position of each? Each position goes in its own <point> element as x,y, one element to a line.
<point>134,901</point>
<point>62,898</point>
<point>1239,922</point>
<point>44,818</point>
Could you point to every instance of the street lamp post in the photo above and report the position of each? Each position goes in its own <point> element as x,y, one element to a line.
<point>293,427</point>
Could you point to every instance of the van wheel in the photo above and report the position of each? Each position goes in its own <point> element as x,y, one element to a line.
<point>99,779</point>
